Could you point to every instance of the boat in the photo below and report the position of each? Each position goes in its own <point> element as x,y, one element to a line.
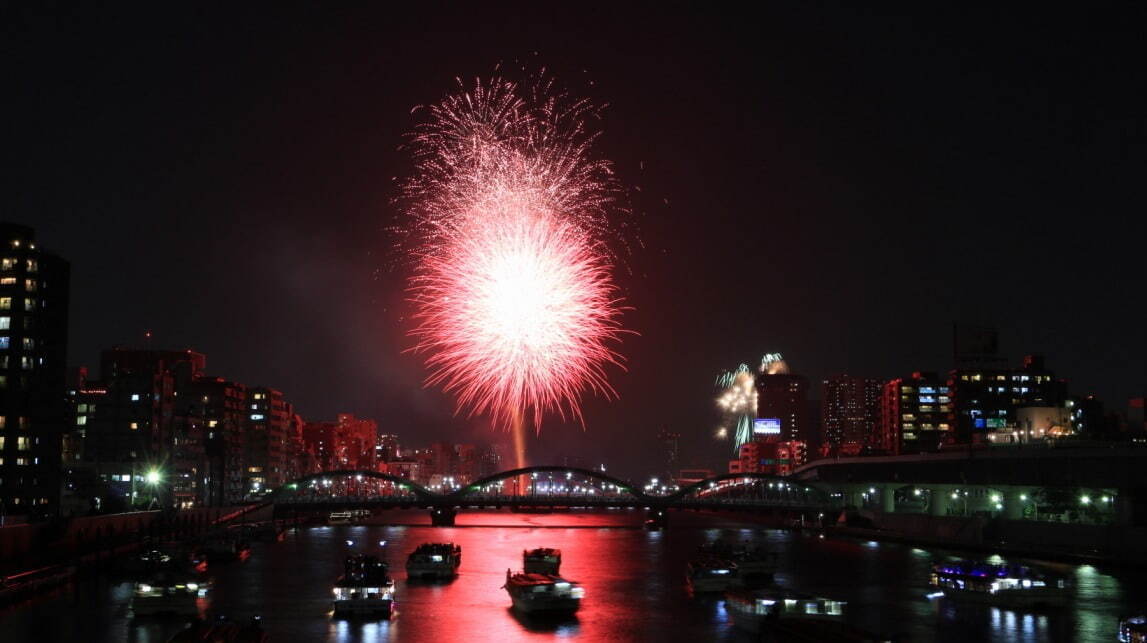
<point>776,611</point>
<point>1133,629</point>
<point>340,518</point>
<point>999,584</point>
<point>434,561</point>
<point>225,545</point>
<point>543,593</point>
<point>542,560</point>
<point>364,588</point>
<point>711,574</point>
<point>168,592</point>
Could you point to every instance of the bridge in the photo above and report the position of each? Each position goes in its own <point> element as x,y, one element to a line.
<point>547,487</point>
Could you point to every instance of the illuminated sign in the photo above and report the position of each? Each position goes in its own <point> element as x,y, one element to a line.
<point>767,426</point>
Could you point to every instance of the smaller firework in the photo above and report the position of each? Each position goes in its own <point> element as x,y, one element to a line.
<point>773,364</point>
<point>737,400</point>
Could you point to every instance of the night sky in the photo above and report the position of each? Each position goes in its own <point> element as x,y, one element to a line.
<point>838,184</point>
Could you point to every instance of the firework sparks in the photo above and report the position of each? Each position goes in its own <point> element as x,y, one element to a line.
<point>737,401</point>
<point>509,214</point>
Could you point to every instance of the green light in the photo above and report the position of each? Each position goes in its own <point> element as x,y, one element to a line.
<point>153,477</point>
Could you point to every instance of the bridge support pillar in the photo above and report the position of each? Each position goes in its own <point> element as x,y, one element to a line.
<point>442,516</point>
<point>887,499</point>
<point>1014,502</point>
<point>939,498</point>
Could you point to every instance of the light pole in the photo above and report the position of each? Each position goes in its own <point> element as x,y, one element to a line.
<point>153,479</point>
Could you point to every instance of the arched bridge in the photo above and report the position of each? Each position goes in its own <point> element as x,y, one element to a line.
<point>545,487</point>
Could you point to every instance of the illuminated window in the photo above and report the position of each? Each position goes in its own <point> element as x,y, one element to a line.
<point>1,443</point>
<point>81,420</point>
<point>30,285</point>
<point>976,377</point>
<point>3,421</point>
<point>23,443</point>
<point>212,423</point>
<point>8,263</point>
<point>32,265</point>
<point>7,281</point>
<point>29,343</point>
<point>29,304</point>
<point>134,426</point>
<point>5,323</point>
<point>135,397</point>
<point>926,408</point>
<point>5,343</point>
<point>5,303</point>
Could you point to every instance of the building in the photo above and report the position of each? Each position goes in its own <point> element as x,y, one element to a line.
<point>850,413</point>
<point>268,428</point>
<point>346,443</point>
<point>219,407</point>
<point>986,399</point>
<point>387,448</point>
<point>670,459</point>
<point>777,458</point>
<point>915,414</point>
<point>33,356</point>
<point>784,396</point>
<point>129,436</point>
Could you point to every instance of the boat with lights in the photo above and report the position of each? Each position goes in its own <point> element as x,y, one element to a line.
<point>814,617</point>
<point>365,588</point>
<point>434,561</point>
<point>1133,629</point>
<point>169,593</point>
<point>711,574</point>
<point>1000,584</point>
<point>542,560</point>
<point>543,593</point>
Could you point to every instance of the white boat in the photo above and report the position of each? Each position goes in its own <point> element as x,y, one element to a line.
<point>166,593</point>
<point>1000,584</point>
<point>364,588</point>
<point>340,518</point>
<point>543,593</point>
<point>542,560</point>
<point>434,561</point>
<point>711,574</point>
<point>767,610</point>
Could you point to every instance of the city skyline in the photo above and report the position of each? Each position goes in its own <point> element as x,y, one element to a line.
<point>190,199</point>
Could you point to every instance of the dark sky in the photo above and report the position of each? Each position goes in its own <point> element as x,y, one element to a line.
<point>836,183</point>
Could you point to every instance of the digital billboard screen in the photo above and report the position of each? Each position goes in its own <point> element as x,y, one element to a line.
<point>767,426</point>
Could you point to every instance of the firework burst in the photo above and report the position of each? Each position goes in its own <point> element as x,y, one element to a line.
<point>508,215</point>
<point>737,400</point>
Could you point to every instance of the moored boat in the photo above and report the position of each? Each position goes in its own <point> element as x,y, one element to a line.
<point>542,560</point>
<point>434,561</point>
<point>711,574</point>
<point>225,545</point>
<point>543,593</point>
<point>766,610</point>
<point>1000,584</point>
<point>364,588</point>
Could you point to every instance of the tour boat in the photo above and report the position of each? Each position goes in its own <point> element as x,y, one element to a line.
<point>711,574</point>
<point>364,587</point>
<point>1000,584</point>
<point>543,593</point>
<point>434,561</point>
<point>785,616</point>
<point>1133,629</point>
<point>542,560</point>
<point>168,593</point>
<point>340,518</point>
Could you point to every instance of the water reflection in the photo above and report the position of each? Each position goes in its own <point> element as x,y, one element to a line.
<point>634,582</point>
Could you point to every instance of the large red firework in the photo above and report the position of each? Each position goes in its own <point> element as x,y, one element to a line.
<point>515,306</point>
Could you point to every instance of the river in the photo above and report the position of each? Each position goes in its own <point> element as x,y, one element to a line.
<point>634,581</point>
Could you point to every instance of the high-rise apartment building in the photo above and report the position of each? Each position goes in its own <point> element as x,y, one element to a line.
<point>784,396</point>
<point>916,414</point>
<point>850,413</point>
<point>33,347</point>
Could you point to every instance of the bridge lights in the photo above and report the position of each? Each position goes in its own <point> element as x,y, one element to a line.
<point>915,492</point>
<point>1106,498</point>
<point>872,490</point>
<point>1085,499</point>
<point>996,498</point>
<point>1023,497</point>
